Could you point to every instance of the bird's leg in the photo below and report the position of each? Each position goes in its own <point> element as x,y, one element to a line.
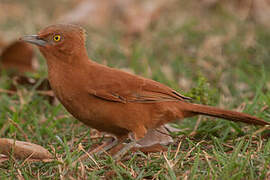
<point>124,150</point>
<point>99,150</point>
<point>105,147</point>
<point>138,133</point>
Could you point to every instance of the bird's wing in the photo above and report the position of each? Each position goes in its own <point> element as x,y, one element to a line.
<point>118,86</point>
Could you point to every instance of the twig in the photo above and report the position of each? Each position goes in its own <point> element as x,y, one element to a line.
<point>27,159</point>
<point>178,149</point>
<point>261,130</point>
<point>3,129</point>
<point>7,91</point>
<point>46,93</point>
<point>193,133</point>
<point>208,162</point>
<point>86,154</point>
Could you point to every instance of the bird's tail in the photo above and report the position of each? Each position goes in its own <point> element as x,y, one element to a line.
<point>220,113</point>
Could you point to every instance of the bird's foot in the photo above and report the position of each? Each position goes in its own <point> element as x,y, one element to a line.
<point>124,150</point>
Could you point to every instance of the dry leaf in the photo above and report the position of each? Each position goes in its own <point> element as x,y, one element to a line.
<point>156,136</point>
<point>18,56</point>
<point>168,72</point>
<point>261,11</point>
<point>23,150</point>
<point>152,149</point>
<point>2,44</point>
<point>155,139</point>
<point>135,15</point>
<point>257,10</point>
<point>11,10</point>
<point>96,13</point>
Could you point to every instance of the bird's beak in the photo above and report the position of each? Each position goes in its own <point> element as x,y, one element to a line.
<point>34,39</point>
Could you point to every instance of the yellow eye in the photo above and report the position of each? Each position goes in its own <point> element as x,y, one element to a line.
<point>57,38</point>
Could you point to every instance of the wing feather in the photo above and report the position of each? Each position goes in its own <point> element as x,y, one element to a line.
<point>123,87</point>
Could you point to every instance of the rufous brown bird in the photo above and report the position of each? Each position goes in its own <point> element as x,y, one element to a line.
<point>109,99</point>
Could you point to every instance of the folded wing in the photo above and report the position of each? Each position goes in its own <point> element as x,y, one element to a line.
<point>118,86</point>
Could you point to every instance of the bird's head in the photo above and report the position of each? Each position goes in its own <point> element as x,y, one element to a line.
<point>59,41</point>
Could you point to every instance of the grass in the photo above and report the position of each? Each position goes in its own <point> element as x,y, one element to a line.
<point>216,58</point>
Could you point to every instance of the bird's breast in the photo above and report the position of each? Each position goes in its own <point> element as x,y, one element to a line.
<point>76,99</point>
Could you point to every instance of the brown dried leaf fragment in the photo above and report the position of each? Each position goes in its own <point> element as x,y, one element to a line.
<point>18,56</point>
<point>2,43</point>
<point>156,136</point>
<point>136,16</point>
<point>97,13</point>
<point>22,150</point>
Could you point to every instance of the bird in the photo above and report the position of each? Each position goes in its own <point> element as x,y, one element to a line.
<point>111,100</point>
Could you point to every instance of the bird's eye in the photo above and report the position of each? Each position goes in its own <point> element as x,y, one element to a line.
<point>57,38</point>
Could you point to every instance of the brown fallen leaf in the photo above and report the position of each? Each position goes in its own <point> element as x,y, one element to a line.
<point>156,136</point>
<point>2,43</point>
<point>18,56</point>
<point>151,149</point>
<point>11,10</point>
<point>96,13</point>
<point>261,11</point>
<point>23,150</point>
<point>153,141</point>
<point>256,10</point>
<point>136,16</point>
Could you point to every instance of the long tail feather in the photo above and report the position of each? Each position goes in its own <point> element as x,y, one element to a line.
<point>225,114</point>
